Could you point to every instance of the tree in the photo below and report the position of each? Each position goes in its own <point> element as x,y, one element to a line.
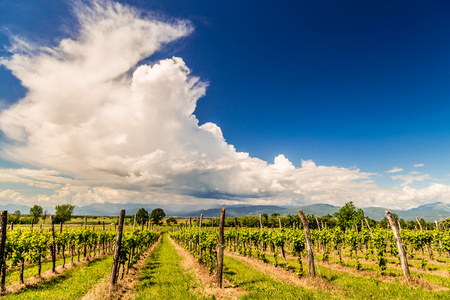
<point>36,212</point>
<point>346,216</point>
<point>157,215</point>
<point>45,214</point>
<point>15,217</point>
<point>171,220</point>
<point>141,215</point>
<point>63,213</point>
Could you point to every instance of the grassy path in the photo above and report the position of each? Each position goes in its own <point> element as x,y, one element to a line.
<point>355,285</point>
<point>260,286</point>
<point>162,277</point>
<point>73,284</point>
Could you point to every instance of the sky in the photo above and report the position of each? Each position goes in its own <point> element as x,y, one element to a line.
<point>204,103</point>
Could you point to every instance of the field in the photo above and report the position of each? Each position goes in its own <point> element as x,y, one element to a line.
<point>175,262</point>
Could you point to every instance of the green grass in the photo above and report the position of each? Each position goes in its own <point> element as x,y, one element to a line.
<point>73,284</point>
<point>364,287</point>
<point>12,277</point>
<point>260,286</point>
<point>162,277</point>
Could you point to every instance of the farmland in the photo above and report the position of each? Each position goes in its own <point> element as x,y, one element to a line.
<point>181,262</point>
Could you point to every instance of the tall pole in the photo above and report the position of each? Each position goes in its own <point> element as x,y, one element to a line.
<point>401,249</point>
<point>3,224</point>
<point>309,245</point>
<point>53,247</point>
<point>221,242</point>
<point>115,266</point>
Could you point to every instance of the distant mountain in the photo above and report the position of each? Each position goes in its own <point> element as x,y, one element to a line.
<point>429,212</point>
<point>316,209</point>
<point>234,211</point>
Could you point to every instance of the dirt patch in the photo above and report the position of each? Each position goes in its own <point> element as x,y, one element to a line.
<point>125,287</point>
<point>208,281</point>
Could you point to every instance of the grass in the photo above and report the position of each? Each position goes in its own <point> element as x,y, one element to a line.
<point>260,286</point>
<point>162,277</point>
<point>354,286</point>
<point>73,284</point>
<point>31,270</point>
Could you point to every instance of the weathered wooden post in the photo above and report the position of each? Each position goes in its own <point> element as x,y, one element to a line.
<point>235,232</point>
<point>368,226</point>
<point>221,242</point>
<point>401,249</point>
<point>60,227</point>
<point>12,226</point>
<point>31,225</point>
<point>199,236</point>
<point>279,221</point>
<point>3,224</point>
<point>53,246</point>
<point>429,251</point>
<point>317,221</point>
<point>85,222</point>
<point>142,224</point>
<point>134,222</point>
<point>260,222</point>
<point>309,245</point>
<point>190,227</point>
<point>115,266</point>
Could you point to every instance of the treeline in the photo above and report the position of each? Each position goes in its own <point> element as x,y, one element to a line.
<point>346,218</point>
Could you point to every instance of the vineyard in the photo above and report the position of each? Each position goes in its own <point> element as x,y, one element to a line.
<point>255,263</point>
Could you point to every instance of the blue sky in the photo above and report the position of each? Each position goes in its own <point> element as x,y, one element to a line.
<point>352,85</point>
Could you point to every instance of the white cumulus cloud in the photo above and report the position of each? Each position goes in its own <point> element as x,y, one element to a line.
<point>99,126</point>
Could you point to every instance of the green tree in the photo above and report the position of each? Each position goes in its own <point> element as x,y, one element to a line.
<point>15,217</point>
<point>348,216</point>
<point>63,213</point>
<point>141,215</point>
<point>157,215</point>
<point>171,220</point>
<point>36,211</point>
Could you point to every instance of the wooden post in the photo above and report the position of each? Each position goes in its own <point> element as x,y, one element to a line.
<point>368,226</point>
<point>85,222</point>
<point>115,266</point>
<point>53,247</point>
<point>309,245</point>
<point>31,224</point>
<point>199,236</point>
<point>3,224</point>
<point>103,225</point>
<point>317,221</point>
<point>279,221</point>
<point>220,244</point>
<point>260,222</point>
<point>134,222</point>
<point>235,232</point>
<point>399,226</point>
<point>429,251</point>
<point>142,224</point>
<point>401,249</point>
<point>12,226</point>
<point>293,227</point>
<point>61,227</point>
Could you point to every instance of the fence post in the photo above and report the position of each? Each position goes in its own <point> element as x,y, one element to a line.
<point>199,235</point>
<point>53,246</point>
<point>115,266</point>
<point>221,241</point>
<point>309,245</point>
<point>3,224</point>
<point>401,249</point>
